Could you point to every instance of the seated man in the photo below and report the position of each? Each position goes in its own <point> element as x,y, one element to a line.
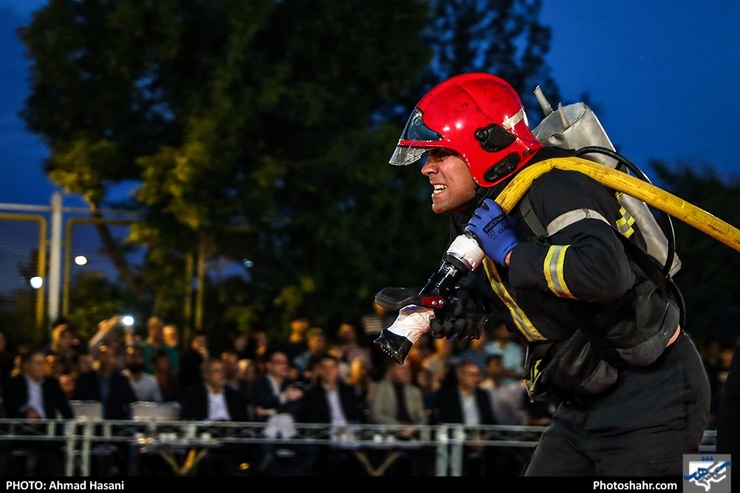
<point>279,400</point>
<point>109,386</point>
<point>335,403</point>
<point>145,386</point>
<point>232,379</point>
<point>465,402</point>
<point>507,399</point>
<point>400,403</point>
<point>274,392</point>
<point>397,401</point>
<point>213,400</point>
<point>31,395</point>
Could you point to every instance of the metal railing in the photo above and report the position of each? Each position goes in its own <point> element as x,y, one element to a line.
<point>79,437</point>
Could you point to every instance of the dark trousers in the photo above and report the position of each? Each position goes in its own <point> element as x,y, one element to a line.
<point>640,427</point>
<point>495,462</point>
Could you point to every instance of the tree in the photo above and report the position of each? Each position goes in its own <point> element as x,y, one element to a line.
<point>503,37</point>
<point>267,116</point>
<point>708,274</point>
<point>229,112</point>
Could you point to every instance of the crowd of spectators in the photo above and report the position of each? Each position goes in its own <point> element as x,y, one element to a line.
<point>333,376</point>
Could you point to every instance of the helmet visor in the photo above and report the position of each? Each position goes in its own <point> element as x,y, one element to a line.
<point>411,145</point>
<point>404,155</point>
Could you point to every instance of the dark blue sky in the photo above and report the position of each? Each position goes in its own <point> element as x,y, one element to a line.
<point>663,74</point>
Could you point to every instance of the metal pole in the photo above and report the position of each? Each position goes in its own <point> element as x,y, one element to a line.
<point>442,463</point>
<point>40,306</point>
<point>456,455</point>
<point>67,265</point>
<point>55,257</point>
<point>85,453</point>
<point>71,452</point>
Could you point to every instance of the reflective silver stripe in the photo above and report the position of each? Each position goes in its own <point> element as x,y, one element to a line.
<point>553,270</point>
<point>567,218</point>
<point>511,122</point>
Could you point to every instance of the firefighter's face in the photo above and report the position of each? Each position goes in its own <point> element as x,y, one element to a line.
<point>453,185</point>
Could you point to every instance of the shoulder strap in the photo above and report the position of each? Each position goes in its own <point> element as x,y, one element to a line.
<point>535,230</point>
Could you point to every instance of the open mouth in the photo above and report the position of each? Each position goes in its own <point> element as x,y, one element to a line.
<point>439,188</point>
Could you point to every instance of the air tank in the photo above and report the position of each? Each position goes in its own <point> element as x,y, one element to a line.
<point>576,126</point>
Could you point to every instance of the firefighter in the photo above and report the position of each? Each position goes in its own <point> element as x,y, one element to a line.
<point>566,268</point>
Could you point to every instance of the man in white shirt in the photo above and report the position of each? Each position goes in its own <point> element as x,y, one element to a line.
<point>330,400</point>
<point>333,402</point>
<point>32,395</point>
<point>212,400</point>
<point>213,377</point>
<point>274,392</point>
<point>465,402</point>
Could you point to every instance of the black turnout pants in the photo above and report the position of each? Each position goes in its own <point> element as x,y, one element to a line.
<point>640,427</point>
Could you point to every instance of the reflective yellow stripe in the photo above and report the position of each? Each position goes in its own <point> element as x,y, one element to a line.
<point>522,322</point>
<point>624,223</point>
<point>553,270</point>
<point>534,374</point>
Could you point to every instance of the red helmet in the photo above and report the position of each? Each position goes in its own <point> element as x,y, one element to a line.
<point>477,115</point>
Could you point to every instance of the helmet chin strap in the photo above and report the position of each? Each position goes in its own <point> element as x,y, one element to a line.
<point>481,194</point>
<point>462,216</point>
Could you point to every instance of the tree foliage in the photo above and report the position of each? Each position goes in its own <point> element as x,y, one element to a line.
<point>274,117</point>
<point>503,37</point>
<point>708,276</point>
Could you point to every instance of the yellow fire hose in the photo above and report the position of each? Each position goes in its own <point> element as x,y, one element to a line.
<point>628,184</point>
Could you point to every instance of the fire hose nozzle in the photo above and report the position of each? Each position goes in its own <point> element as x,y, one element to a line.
<point>417,307</point>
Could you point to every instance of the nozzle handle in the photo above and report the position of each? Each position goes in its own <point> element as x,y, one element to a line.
<point>394,299</point>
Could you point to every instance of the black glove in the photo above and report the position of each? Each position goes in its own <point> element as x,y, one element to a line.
<point>459,320</point>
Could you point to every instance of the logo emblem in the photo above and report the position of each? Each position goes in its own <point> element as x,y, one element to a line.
<point>705,473</point>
